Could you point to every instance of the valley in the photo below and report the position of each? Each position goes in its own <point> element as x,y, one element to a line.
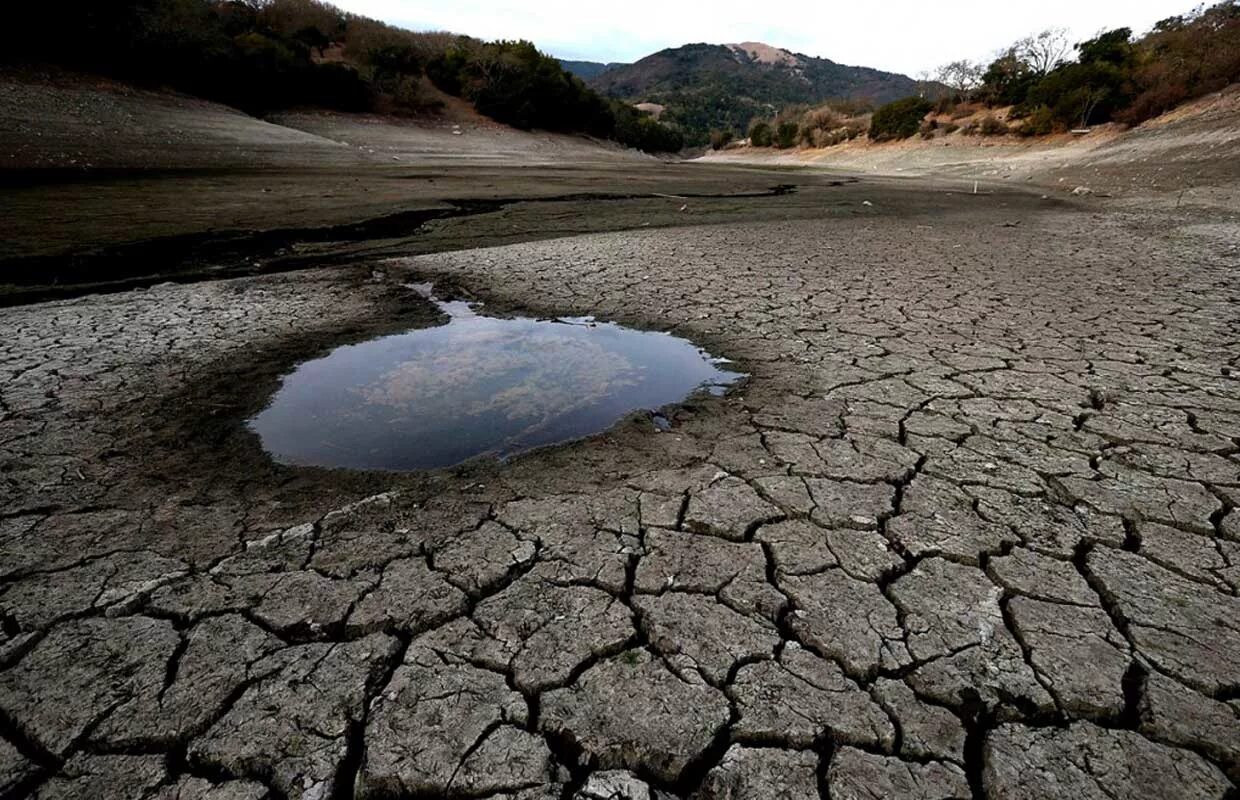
<point>364,454</point>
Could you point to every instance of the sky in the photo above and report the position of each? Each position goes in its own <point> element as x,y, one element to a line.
<point>905,36</point>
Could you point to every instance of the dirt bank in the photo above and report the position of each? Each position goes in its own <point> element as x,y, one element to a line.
<point>1191,155</point>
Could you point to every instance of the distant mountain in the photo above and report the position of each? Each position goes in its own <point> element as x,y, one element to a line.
<point>714,86</point>
<point>588,70</point>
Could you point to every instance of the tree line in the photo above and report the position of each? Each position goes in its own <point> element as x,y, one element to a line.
<point>1049,84</point>
<point>1052,85</point>
<point>263,56</point>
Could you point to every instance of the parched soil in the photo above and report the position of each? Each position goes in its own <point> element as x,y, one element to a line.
<point>968,530</point>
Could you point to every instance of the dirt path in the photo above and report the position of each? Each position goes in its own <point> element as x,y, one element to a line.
<point>968,531</point>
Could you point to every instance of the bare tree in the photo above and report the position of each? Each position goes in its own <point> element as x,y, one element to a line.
<point>1044,51</point>
<point>924,79</point>
<point>1090,99</point>
<point>962,77</point>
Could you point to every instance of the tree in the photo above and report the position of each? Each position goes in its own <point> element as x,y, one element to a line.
<point>313,38</point>
<point>1113,47</point>
<point>1094,88</point>
<point>899,120</point>
<point>962,77</point>
<point>1008,79</point>
<point>1043,52</point>
<point>720,139</point>
<point>786,134</point>
<point>760,133</point>
<point>924,80</point>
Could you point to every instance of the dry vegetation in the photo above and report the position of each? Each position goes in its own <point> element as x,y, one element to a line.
<point>1042,85</point>
<point>267,55</point>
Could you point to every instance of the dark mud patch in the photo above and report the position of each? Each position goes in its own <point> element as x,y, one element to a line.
<point>211,255</point>
<point>191,257</point>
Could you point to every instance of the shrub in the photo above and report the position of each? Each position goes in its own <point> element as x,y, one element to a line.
<point>990,125</point>
<point>1039,122</point>
<point>447,70</point>
<point>638,129</point>
<point>720,139</point>
<point>824,118</point>
<point>340,87</point>
<point>819,127</point>
<point>899,120</point>
<point>821,138</point>
<point>786,135</point>
<point>760,134</point>
<point>950,128</point>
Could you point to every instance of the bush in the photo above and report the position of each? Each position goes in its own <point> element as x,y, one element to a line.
<point>760,134</point>
<point>899,120</point>
<point>634,128</point>
<point>340,87</point>
<point>825,118</point>
<point>990,125</point>
<point>720,139</point>
<point>821,138</point>
<point>1039,122</point>
<point>447,70</point>
<point>857,128</point>
<point>950,128</point>
<point>786,135</point>
<point>852,107</point>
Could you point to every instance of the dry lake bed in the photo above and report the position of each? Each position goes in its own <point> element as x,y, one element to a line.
<point>958,521</point>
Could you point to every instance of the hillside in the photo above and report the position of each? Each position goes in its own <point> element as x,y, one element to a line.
<point>1188,156</point>
<point>588,70</point>
<point>267,56</point>
<point>708,86</point>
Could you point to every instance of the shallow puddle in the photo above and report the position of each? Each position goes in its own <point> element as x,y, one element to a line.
<point>477,386</point>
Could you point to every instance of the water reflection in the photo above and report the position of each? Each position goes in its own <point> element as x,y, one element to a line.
<point>479,385</point>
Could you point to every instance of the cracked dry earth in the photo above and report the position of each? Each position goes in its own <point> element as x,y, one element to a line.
<point>968,531</point>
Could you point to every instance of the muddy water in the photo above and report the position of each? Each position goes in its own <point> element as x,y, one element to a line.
<point>477,386</point>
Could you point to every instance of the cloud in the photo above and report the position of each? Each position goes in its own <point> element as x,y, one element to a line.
<point>901,35</point>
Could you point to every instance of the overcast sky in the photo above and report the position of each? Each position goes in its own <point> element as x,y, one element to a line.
<point>899,35</point>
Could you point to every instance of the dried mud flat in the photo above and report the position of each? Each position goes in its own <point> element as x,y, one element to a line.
<point>968,531</point>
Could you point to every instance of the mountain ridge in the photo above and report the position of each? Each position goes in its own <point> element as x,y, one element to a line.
<point>588,70</point>
<point>723,86</point>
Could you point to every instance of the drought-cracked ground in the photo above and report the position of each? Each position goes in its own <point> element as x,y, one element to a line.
<point>968,530</point>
